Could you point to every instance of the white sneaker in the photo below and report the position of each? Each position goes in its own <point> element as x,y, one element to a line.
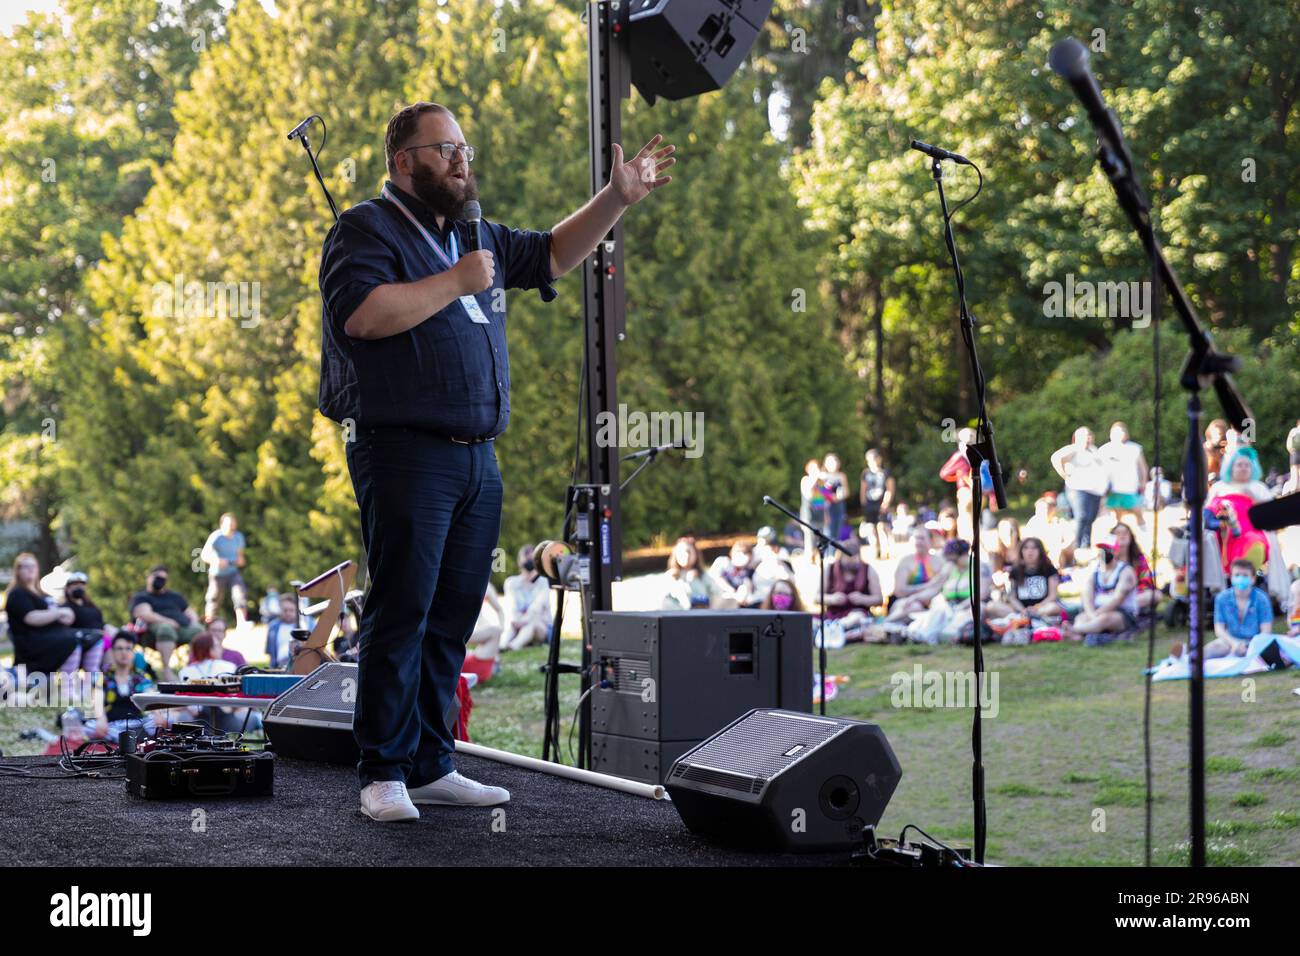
<point>455,790</point>
<point>387,802</point>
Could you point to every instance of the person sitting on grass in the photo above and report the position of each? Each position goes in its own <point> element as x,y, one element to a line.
<point>114,710</point>
<point>852,589</point>
<point>1128,549</point>
<point>204,665</point>
<point>217,628</point>
<point>1033,583</point>
<point>42,635</point>
<point>482,653</point>
<point>1241,611</point>
<point>784,596</point>
<point>1109,597</point>
<point>733,576</point>
<point>686,586</point>
<point>168,617</point>
<point>527,605</point>
<point>915,570</point>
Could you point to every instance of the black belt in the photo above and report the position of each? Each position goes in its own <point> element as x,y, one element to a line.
<point>469,441</point>
<point>411,429</point>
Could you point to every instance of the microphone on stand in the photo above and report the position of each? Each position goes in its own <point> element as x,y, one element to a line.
<point>301,128</point>
<point>934,152</point>
<point>651,452</point>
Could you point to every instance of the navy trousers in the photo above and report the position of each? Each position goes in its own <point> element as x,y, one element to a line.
<point>430,518</point>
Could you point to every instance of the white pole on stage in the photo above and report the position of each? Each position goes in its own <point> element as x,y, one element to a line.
<point>653,791</point>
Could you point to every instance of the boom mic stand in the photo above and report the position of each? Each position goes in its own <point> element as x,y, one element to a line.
<point>1203,366</point>
<point>824,542</point>
<point>977,453</point>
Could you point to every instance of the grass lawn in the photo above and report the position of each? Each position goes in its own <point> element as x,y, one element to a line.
<point>1063,756</point>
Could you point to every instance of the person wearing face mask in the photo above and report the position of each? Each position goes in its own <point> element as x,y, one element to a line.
<point>1109,597</point>
<point>784,596</point>
<point>769,566</point>
<point>527,605</point>
<point>852,589</point>
<point>1241,611</point>
<point>168,618</point>
<point>87,623</point>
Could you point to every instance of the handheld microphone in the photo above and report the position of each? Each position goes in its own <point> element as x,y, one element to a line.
<point>301,128</point>
<point>474,216</point>
<point>935,152</point>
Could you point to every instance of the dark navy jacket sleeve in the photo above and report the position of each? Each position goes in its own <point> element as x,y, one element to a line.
<point>525,257</point>
<point>359,256</point>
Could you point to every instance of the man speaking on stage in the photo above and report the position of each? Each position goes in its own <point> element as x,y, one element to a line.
<point>414,364</point>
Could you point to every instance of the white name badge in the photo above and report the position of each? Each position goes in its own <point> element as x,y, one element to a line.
<point>471,306</point>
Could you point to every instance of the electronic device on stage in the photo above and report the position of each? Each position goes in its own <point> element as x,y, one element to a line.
<point>187,762</point>
<point>788,781</point>
<point>222,684</point>
<point>669,679</point>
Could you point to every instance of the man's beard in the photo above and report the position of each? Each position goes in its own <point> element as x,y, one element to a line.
<point>443,195</point>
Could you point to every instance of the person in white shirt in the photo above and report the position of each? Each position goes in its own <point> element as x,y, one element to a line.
<point>1084,472</point>
<point>205,664</point>
<point>527,605</point>
<point>1126,469</point>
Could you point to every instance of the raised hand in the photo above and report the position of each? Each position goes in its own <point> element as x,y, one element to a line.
<point>636,179</point>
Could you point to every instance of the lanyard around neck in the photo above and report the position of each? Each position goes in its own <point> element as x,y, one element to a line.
<point>448,260</point>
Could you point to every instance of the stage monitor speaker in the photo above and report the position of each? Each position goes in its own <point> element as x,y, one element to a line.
<point>681,48</point>
<point>669,679</point>
<point>312,720</point>
<point>780,780</point>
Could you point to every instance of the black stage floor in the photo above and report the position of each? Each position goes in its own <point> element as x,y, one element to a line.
<point>313,820</point>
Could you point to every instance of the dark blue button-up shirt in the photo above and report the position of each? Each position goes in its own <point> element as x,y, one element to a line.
<point>448,374</point>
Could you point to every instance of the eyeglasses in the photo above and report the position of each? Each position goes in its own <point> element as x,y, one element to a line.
<point>447,150</point>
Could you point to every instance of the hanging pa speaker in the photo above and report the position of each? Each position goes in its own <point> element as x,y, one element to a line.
<point>781,780</point>
<point>681,48</point>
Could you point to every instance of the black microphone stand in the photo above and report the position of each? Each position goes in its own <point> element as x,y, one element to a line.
<point>977,453</point>
<point>1204,366</point>
<point>301,134</point>
<point>824,543</point>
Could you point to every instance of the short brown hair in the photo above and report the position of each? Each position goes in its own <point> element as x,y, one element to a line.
<point>402,127</point>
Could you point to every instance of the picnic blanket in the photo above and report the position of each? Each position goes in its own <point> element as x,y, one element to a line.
<point>1180,668</point>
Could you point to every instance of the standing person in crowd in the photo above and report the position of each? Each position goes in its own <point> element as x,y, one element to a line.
<point>1032,586</point>
<point>168,618</point>
<point>852,589</point>
<point>876,494</point>
<point>916,570</point>
<point>42,635</point>
<point>1228,509</point>
<point>732,575</point>
<point>114,710</point>
<point>527,605</point>
<point>1293,453</point>
<point>835,487</point>
<point>1084,472</point>
<point>223,553</point>
<point>957,470</point>
<point>687,588</point>
<point>812,500</point>
<point>1109,597</point>
<point>1126,473</point>
<point>1216,446</point>
<point>217,628</point>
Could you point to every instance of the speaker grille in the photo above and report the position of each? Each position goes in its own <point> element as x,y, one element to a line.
<point>320,691</point>
<point>762,746</point>
<point>716,778</point>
